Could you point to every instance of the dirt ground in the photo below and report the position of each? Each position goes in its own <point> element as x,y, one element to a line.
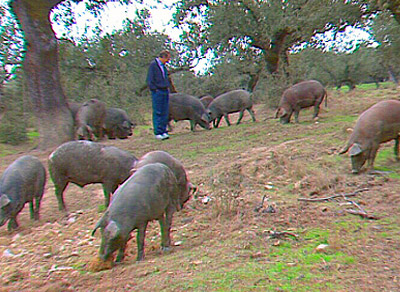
<point>250,178</point>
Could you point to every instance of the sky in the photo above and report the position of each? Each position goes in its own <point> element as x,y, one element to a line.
<point>114,14</point>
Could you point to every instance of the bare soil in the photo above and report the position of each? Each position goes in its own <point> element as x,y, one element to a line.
<point>224,228</point>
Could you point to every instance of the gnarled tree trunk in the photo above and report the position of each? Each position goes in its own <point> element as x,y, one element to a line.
<point>55,123</point>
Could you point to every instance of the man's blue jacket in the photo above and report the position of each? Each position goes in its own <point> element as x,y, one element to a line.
<point>155,78</point>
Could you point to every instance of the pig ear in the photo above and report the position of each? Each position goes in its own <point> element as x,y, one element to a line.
<point>355,149</point>
<point>112,229</point>
<point>126,124</point>
<point>4,201</point>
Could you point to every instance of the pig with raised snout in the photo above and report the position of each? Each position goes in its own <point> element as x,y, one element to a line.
<point>117,124</point>
<point>151,193</point>
<point>23,181</point>
<point>86,162</point>
<point>184,185</point>
<point>378,124</point>
<point>187,107</point>
<point>301,95</point>
<point>230,102</point>
<point>90,120</point>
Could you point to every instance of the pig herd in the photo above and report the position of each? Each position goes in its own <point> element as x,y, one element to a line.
<point>156,186</point>
<point>151,188</point>
<point>93,120</point>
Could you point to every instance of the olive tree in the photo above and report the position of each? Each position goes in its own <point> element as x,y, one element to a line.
<point>41,66</point>
<point>259,33</point>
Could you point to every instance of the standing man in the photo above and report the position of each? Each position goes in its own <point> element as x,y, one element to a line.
<point>157,80</point>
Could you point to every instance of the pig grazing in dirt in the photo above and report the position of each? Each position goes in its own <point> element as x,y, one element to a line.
<point>230,102</point>
<point>117,124</point>
<point>85,162</point>
<point>90,119</point>
<point>301,95</point>
<point>184,185</point>
<point>206,100</point>
<point>151,193</point>
<point>378,124</point>
<point>23,181</point>
<point>187,107</point>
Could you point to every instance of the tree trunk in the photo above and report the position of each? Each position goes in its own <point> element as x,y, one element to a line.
<point>272,55</point>
<point>54,119</point>
<point>392,75</point>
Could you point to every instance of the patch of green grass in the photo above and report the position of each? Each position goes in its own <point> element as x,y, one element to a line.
<point>335,119</point>
<point>33,134</point>
<point>290,266</point>
<point>101,208</point>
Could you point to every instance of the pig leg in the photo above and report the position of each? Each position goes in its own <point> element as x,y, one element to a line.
<point>227,119</point>
<point>371,158</point>
<point>102,244</point>
<point>37,206</point>
<point>251,112</point>
<point>216,122</point>
<point>396,148</point>
<point>296,115</point>
<point>240,117</point>
<point>165,226</point>
<point>316,111</point>
<point>141,233</point>
<point>192,125</point>
<point>59,190</point>
<point>12,224</point>
<point>31,210</point>
<point>108,188</point>
<point>121,251</point>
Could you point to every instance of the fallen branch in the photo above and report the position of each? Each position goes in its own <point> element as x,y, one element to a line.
<point>362,214</point>
<point>333,197</point>
<point>280,234</point>
<point>258,208</point>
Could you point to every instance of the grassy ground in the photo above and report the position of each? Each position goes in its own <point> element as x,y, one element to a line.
<point>225,238</point>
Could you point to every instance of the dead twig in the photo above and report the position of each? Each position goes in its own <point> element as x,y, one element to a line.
<point>334,196</point>
<point>362,214</point>
<point>258,208</point>
<point>281,234</point>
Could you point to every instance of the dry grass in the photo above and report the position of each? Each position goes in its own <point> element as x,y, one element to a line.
<point>222,237</point>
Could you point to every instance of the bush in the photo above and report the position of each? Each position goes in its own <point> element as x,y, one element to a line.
<point>13,128</point>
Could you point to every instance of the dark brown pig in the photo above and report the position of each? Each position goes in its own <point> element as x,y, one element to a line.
<point>90,119</point>
<point>187,107</point>
<point>23,181</point>
<point>185,187</point>
<point>378,124</point>
<point>301,95</point>
<point>151,193</point>
<point>86,162</point>
<point>117,124</point>
<point>230,102</point>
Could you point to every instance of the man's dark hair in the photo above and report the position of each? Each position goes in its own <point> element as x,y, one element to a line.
<point>165,53</point>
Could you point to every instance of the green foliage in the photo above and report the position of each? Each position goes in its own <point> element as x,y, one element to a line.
<point>112,68</point>
<point>13,124</point>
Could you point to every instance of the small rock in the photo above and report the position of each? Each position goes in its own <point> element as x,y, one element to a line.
<point>269,187</point>
<point>71,220</point>
<point>16,237</point>
<point>205,200</point>
<point>322,248</point>
<point>178,243</point>
<point>8,254</point>
<point>47,255</point>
